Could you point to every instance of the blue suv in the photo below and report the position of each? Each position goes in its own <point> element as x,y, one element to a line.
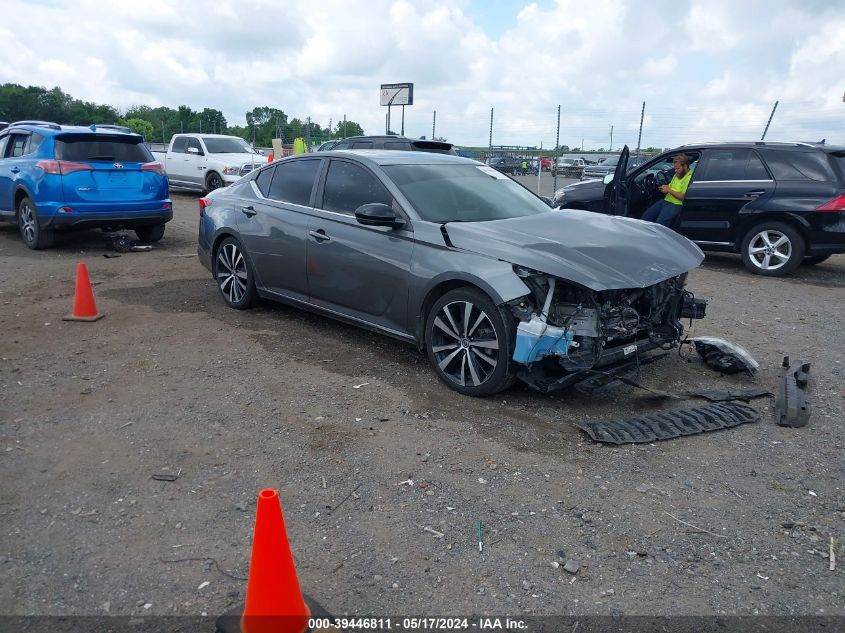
<point>57,177</point>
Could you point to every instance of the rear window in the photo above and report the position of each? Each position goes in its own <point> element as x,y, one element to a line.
<point>791,165</point>
<point>839,159</point>
<point>90,149</point>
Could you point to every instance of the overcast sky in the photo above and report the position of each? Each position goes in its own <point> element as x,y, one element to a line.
<point>707,69</point>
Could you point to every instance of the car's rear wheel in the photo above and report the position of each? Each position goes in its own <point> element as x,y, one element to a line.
<point>233,274</point>
<point>812,260</point>
<point>150,233</point>
<point>468,340</point>
<point>33,235</point>
<point>213,181</point>
<point>773,249</point>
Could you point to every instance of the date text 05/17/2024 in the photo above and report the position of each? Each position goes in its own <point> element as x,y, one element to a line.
<point>415,624</point>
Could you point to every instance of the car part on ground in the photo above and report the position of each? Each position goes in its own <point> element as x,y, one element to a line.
<point>599,384</point>
<point>667,425</point>
<point>726,395</point>
<point>724,356</point>
<point>791,406</point>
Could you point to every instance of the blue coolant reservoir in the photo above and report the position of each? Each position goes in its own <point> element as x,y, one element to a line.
<point>536,339</point>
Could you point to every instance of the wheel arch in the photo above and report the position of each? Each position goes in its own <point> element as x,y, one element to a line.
<point>793,220</point>
<point>21,192</point>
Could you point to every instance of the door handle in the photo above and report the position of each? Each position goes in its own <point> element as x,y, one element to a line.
<point>319,235</point>
<point>248,211</point>
<point>15,170</point>
<point>753,194</point>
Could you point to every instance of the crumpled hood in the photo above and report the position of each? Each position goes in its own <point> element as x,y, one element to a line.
<point>597,251</point>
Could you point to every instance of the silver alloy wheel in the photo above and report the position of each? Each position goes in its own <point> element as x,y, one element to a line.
<point>27,221</point>
<point>464,343</point>
<point>769,249</point>
<point>232,275</point>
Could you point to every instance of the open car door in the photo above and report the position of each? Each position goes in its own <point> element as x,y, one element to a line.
<point>616,191</point>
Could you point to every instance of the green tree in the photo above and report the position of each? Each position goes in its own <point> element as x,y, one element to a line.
<point>139,126</point>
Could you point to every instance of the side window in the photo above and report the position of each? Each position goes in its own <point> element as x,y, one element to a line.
<point>362,145</point>
<point>294,180</point>
<point>17,145</point>
<point>262,181</point>
<point>3,141</point>
<point>349,186</point>
<point>732,164</point>
<point>195,144</point>
<point>400,145</point>
<point>35,140</point>
<point>791,165</point>
<point>342,145</point>
<point>179,145</point>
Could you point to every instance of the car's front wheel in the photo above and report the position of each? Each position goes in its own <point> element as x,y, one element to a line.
<point>468,340</point>
<point>233,274</point>
<point>33,235</point>
<point>773,249</point>
<point>213,181</point>
<point>150,233</point>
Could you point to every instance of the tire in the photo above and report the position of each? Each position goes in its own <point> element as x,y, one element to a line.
<point>773,249</point>
<point>469,342</point>
<point>234,275</point>
<point>150,233</point>
<point>33,235</point>
<point>213,181</point>
<point>812,260</point>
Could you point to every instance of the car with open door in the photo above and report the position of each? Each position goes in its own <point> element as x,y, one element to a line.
<point>779,205</point>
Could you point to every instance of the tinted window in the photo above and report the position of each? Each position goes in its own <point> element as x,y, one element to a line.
<point>35,140</point>
<point>349,186</point>
<point>262,181</point>
<point>399,145</point>
<point>294,180</point>
<point>179,145</point>
<point>732,164</point>
<point>362,145</point>
<point>342,145</point>
<point>3,144</point>
<point>463,193</point>
<point>836,158</point>
<point>194,143</point>
<point>786,165</point>
<point>87,148</point>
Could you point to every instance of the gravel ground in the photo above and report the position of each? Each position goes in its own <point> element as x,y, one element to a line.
<point>172,381</point>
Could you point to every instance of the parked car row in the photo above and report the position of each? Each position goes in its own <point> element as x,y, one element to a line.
<point>777,204</point>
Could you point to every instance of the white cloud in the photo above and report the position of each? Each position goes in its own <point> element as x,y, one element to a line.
<point>710,67</point>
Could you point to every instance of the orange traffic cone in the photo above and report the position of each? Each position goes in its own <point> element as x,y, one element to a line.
<point>84,307</point>
<point>274,602</point>
<point>270,158</point>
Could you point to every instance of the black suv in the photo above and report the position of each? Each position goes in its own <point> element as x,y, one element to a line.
<point>778,204</point>
<point>389,142</point>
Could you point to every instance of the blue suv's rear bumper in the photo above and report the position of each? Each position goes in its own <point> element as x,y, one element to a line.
<point>92,215</point>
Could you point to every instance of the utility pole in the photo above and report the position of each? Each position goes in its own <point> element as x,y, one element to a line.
<point>344,126</point>
<point>402,131</point>
<point>434,122</point>
<point>640,137</point>
<point>763,138</point>
<point>490,141</point>
<point>557,152</point>
<point>611,138</point>
<point>308,135</point>
<point>163,142</point>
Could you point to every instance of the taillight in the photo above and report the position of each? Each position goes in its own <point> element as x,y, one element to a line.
<point>204,202</point>
<point>60,167</point>
<point>837,204</point>
<point>155,167</point>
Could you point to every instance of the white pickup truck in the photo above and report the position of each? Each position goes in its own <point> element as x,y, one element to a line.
<point>204,162</point>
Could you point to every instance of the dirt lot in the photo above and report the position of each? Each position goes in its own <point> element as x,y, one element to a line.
<point>173,381</point>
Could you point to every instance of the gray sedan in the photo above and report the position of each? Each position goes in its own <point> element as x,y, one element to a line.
<point>452,256</point>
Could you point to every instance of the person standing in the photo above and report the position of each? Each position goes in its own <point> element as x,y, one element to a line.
<point>524,166</point>
<point>665,211</point>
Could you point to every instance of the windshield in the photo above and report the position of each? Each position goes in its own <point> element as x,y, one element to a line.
<point>463,193</point>
<point>217,145</point>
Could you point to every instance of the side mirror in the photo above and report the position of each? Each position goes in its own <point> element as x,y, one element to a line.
<point>607,179</point>
<point>377,214</point>
<point>193,150</point>
<point>548,201</point>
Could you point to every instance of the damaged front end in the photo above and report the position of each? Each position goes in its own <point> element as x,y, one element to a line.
<point>565,330</point>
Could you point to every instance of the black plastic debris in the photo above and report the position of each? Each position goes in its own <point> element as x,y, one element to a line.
<point>121,243</point>
<point>725,395</point>
<point>791,406</point>
<point>600,383</point>
<point>667,425</point>
<point>724,356</point>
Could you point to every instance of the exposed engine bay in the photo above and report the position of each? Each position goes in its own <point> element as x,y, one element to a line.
<point>565,329</point>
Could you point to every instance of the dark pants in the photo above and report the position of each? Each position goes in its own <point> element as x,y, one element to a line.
<point>662,212</point>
